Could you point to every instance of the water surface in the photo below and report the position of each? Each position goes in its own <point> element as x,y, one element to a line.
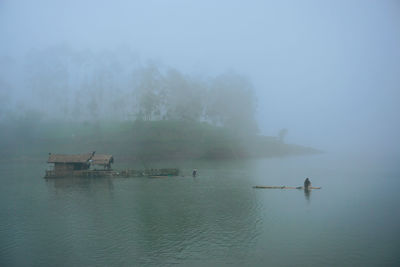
<point>215,219</point>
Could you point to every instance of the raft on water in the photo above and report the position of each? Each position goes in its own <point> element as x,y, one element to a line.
<point>284,187</point>
<point>78,165</point>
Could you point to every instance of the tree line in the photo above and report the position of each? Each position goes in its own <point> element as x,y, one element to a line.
<point>81,85</point>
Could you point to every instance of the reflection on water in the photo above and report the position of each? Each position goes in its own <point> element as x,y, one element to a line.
<point>307,193</point>
<point>162,221</point>
<point>89,184</point>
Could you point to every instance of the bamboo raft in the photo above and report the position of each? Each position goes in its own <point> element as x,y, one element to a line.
<point>284,187</point>
<point>154,173</point>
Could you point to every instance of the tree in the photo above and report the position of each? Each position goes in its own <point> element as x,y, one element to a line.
<point>4,98</point>
<point>183,97</point>
<point>282,134</point>
<point>232,103</point>
<point>149,91</point>
<point>48,78</point>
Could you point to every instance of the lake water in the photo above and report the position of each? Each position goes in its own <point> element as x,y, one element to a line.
<point>215,219</point>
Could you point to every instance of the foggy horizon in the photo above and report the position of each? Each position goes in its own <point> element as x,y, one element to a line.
<point>199,133</point>
<point>327,72</point>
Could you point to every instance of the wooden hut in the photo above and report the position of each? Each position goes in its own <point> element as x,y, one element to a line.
<point>102,160</point>
<point>67,164</point>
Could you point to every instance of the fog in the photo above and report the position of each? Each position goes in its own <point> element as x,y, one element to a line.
<point>328,72</point>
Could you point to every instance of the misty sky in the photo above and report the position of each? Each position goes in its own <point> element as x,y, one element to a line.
<point>328,71</point>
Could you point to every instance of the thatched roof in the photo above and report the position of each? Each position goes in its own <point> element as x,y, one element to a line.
<point>101,159</point>
<point>62,158</point>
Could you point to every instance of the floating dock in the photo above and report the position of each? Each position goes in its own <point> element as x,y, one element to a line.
<point>114,173</point>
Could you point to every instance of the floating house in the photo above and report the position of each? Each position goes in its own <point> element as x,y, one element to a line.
<point>67,163</point>
<point>77,165</point>
<point>85,165</point>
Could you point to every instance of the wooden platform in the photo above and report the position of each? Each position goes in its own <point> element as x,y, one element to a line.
<point>114,173</point>
<point>283,187</point>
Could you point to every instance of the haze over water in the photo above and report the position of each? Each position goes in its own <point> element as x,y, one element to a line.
<point>315,73</point>
<point>326,71</point>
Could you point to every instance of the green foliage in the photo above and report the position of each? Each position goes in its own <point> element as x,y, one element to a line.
<point>105,102</point>
<point>142,141</point>
<point>81,85</point>
<point>227,100</point>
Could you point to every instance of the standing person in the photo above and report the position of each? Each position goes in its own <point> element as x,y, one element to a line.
<point>194,173</point>
<point>307,183</point>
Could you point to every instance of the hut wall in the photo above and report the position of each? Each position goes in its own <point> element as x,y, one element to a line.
<point>63,168</point>
<point>80,166</point>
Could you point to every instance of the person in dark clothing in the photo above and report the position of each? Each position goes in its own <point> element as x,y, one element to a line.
<point>194,173</point>
<point>307,183</point>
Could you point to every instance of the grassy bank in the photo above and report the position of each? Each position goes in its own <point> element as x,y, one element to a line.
<point>155,140</point>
